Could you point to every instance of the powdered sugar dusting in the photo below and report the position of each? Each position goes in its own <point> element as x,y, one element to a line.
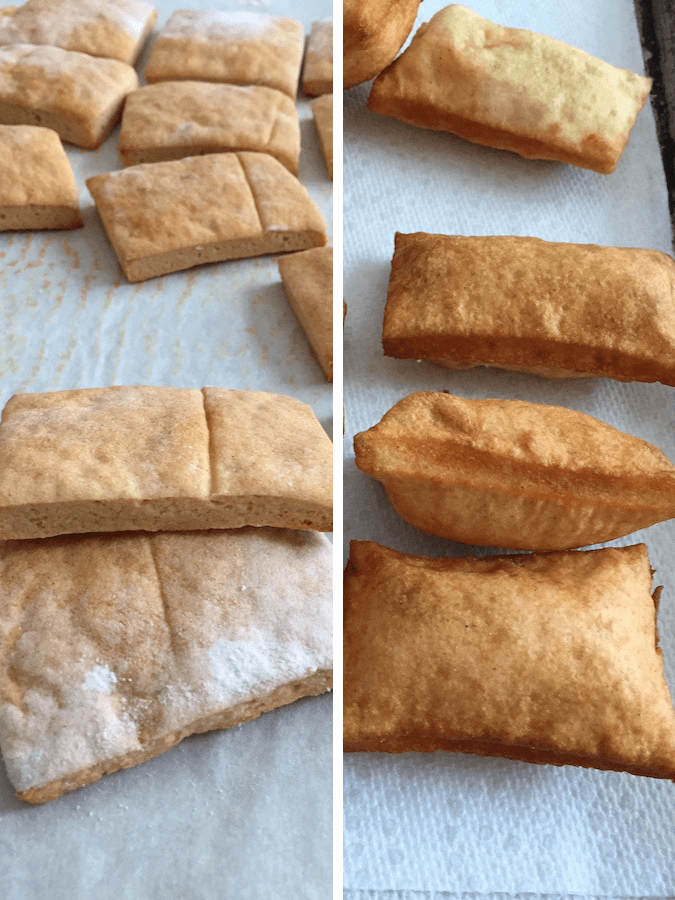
<point>100,679</point>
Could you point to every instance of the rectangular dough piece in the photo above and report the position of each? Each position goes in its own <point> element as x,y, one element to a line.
<point>168,216</point>
<point>37,185</point>
<point>512,89</point>
<point>240,47</point>
<point>506,473</point>
<point>115,29</point>
<point>545,658</point>
<point>317,73</point>
<point>80,97</point>
<point>322,111</point>
<point>553,309</point>
<point>171,459</point>
<point>113,648</point>
<point>308,281</point>
<point>174,119</point>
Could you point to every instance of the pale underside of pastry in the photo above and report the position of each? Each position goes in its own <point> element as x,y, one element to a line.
<point>168,216</point>
<point>78,96</point>
<point>236,47</point>
<point>317,72</point>
<point>545,658</point>
<point>506,473</point>
<point>116,29</point>
<point>308,281</point>
<point>174,119</point>
<point>552,309</point>
<point>115,647</point>
<point>37,185</point>
<point>512,89</point>
<point>373,33</point>
<point>145,458</point>
<point>322,112</point>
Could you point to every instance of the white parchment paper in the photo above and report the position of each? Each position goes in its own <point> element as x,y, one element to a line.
<point>442,825</point>
<point>244,813</point>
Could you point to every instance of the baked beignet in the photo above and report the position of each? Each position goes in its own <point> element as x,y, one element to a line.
<point>545,658</point>
<point>506,473</point>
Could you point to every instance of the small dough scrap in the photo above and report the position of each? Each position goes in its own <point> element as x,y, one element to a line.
<point>545,658</point>
<point>317,73</point>
<point>174,119</point>
<point>115,29</point>
<point>322,111</point>
<point>37,185</point>
<point>552,309</point>
<point>506,473</point>
<point>373,33</point>
<point>173,459</point>
<point>168,216</point>
<point>512,89</point>
<point>113,648</point>
<point>78,96</point>
<point>239,47</point>
<point>308,281</point>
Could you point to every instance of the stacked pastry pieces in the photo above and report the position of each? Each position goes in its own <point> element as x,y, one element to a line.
<point>162,572</point>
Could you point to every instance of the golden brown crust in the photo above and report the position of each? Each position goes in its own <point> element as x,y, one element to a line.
<point>373,33</point>
<point>317,72</point>
<point>548,658</point>
<point>322,111</point>
<point>77,95</point>
<point>167,216</point>
<point>552,309</point>
<point>239,47</point>
<point>505,473</point>
<point>174,119</point>
<point>512,89</point>
<point>308,281</point>
<point>37,185</point>
<point>144,458</point>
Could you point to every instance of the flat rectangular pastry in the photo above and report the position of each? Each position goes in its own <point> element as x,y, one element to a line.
<point>308,281</point>
<point>553,309</point>
<point>116,29</point>
<point>168,216</point>
<point>239,47</point>
<point>512,89</point>
<point>174,119</point>
<point>147,458</point>
<point>322,111</point>
<point>79,96</point>
<point>113,648</point>
<point>37,185</point>
<point>545,658</point>
<point>317,72</point>
<point>506,473</point>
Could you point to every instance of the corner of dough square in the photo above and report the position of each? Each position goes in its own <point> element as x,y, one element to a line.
<point>308,281</point>
<point>317,73</point>
<point>237,47</point>
<point>168,216</point>
<point>322,111</point>
<point>37,185</point>
<point>174,119</point>
<point>79,96</point>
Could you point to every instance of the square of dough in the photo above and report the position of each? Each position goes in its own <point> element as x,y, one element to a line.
<point>317,73</point>
<point>308,281</point>
<point>322,111</point>
<point>79,96</point>
<point>238,47</point>
<point>113,648</point>
<point>116,29</point>
<point>545,658</point>
<point>174,119</point>
<point>512,89</point>
<point>147,458</point>
<point>168,216</point>
<point>37,185</point>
